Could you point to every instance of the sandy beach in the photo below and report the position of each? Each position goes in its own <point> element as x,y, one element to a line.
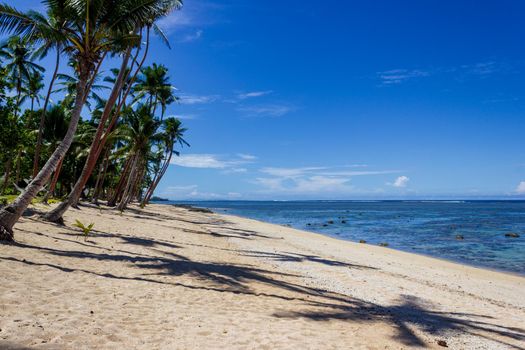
<point>170,278</point>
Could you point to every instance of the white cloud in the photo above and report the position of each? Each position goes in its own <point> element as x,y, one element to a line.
<point>358,173</point>
<point>199,161</point>
<point>235,170</point>
<point>398,76</point>
<point>210,161</point>
<point>187,99</point>
<point>192,36</point>
<point>246,156</point>
<point>270,110</point>
<point>243,96</point>
<point>401,181</point>
<point>175,20</point>
<point>289,172</point>
<point>322,183</point>
<point>192,192</point>
<point>521,188</point>
<point>311,180</point>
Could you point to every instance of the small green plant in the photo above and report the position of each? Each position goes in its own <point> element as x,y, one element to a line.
<point>85,229</point>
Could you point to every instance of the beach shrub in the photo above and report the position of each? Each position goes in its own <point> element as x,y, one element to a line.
<point>85,229</point>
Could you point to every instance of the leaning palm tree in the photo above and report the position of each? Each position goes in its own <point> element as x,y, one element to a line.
<point>112,109</point>
<point>55,127</point>
<point>92,28</point>
<point>53,39</point>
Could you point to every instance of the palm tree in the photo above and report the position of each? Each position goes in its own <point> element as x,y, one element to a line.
<point>34,85</point>
<point>92,29</point>
<point>153,87</point>
<point>173,134</point>
<point>31,90</point>
<point>111,111</point>
<point>67,85</point>
<point>18,53</point>
<point>55,127</point>
<point>56,19</point>
<point>140,130</point>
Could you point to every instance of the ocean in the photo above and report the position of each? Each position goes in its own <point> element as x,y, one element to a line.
<point>469,232</point>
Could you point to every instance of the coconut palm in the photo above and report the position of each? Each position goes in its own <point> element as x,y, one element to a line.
<point>140,131</point>
<point>92,29</point>
<point>112,111</point>
<point>67,85</point>
<point>153,87</point>
<point>33,87</point>
<point>18,54</point>
<point>173,134</point>
<point>52,39</point>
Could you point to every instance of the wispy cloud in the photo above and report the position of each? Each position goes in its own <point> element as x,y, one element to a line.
<point>400,182</point>
<point>461,72</point>
<point>269,110</point>
<point>398,76</point>
<point>482,68</point>
<point>211,161</point>
<point>175,20</point>
<point>309,180</point>
<point>289,172</point>
<point>188,99</point>
<point>245,95</point>
<point>246,156</point>
<point>521,188</point>
<point>193,192</point>
<point>192,36</point>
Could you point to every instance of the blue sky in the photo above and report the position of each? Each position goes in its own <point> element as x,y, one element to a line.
<point>346,100</point>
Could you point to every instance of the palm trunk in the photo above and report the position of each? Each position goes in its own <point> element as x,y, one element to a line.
<point>54,181</point>
<point>156,181</point>
<point>7,174</point>
<point>124,201</point>
<point>55,215</point>
<point>100,176</point>
<point>113,201</point>
<point>17,167</point>
<point>10,214</point>
<point>39,140</point>
<point>135,182</point>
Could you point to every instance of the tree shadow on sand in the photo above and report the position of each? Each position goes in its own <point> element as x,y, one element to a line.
<point>412,311</point>
<point>313,303</point>
<point>296,257</point>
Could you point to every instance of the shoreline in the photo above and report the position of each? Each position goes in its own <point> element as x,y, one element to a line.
<point>458,262</point>
<point>166,277</point>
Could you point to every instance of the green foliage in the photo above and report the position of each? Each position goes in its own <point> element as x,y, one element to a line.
<point>7,199</point>
<point>85,229</point>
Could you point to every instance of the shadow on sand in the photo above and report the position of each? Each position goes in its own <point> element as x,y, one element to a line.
<point>318,304</point>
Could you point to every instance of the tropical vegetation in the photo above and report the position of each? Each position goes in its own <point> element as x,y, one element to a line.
<point>118,148</point>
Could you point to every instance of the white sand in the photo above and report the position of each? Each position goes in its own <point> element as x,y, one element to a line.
<point>168,278</point>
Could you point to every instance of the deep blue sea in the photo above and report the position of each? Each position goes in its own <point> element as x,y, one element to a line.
<point>425,227</point>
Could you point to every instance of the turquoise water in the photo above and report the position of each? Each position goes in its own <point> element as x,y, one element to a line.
<point>426,227</point>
